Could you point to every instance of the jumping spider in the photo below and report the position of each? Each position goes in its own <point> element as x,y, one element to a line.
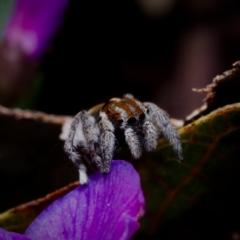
<point>94,134</point>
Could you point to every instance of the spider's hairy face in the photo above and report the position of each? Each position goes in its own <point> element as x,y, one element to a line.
<point>126,112</point>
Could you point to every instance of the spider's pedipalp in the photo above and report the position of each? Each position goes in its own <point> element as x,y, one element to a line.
<point>107,142</point>
<point>149,131</point>
<point>131,137</point>
<point>161,119</point>
<point>150,136</point>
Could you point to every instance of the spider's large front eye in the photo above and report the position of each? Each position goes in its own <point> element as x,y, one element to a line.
<point>132,120</point>
<point>142,116</point>
<point>120,121</point>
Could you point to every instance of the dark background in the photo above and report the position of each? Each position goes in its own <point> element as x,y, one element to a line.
<point>109,48</point>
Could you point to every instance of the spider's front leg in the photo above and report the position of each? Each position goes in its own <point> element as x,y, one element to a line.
<point>91,133</point>
<point>107,142</point>
<point>150,136</point>
<point>161,120</point>
<point>133,143</point>
<point>83,135</point>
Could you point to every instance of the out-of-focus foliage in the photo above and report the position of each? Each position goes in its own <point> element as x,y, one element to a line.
<point>5,9</point>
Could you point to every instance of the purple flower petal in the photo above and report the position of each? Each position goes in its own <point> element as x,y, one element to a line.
<point>33,23</point>
<point>5,235</point>
<point>108,208</point>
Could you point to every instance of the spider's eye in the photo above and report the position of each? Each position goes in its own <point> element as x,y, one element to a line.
<point>132,120</point>
<point>120,121</point>
<point>142,116</point>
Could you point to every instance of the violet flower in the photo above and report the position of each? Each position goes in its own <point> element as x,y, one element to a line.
<point>108,208</point>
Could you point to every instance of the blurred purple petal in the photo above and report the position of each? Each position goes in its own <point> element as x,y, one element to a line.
<point>33,23</point>
<point>5,235</point>
<point>27,35</point>
<point>108,208</point>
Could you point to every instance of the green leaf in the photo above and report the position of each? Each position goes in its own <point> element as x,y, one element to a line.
<point>19,218</point>
<point>185,196</point>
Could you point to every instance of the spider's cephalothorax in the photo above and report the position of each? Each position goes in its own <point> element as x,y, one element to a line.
<point>93,134</point>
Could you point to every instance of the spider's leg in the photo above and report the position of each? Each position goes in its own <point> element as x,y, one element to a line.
<point>70,149</point>
<point>107,142</point>
<point>150,136</point>
<point>80,136</point>
<point>91,132</point>
<point>133,143</point>
<point>161,119</point>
